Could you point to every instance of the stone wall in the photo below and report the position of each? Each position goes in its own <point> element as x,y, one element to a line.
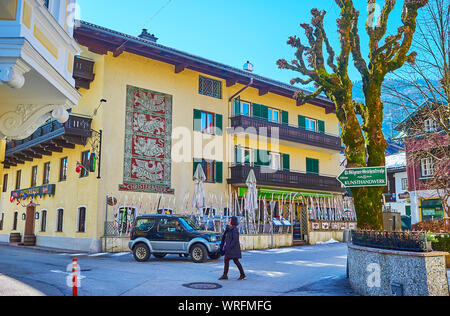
<point>378,272</point>
<point>248,242</point>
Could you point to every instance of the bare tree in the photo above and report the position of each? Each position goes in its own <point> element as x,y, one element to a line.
<point>364,145</point>
<point>422,91</point>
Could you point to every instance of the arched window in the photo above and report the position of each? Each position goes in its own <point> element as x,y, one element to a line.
<point>59,220</point>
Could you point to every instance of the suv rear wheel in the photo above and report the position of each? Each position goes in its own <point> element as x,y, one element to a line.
<point>199,254</point>
<point>141,252</point>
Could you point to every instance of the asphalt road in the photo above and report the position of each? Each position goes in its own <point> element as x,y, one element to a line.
<point>298,271</point>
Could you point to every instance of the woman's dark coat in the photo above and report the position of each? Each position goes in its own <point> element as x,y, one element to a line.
<point>231,241</point>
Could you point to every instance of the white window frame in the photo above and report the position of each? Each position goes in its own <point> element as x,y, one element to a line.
<point>242,108</point>
<point>309,122</point>
<point>404,182</point>
<point>273,162</point>
<point>427,167</point>
<point>430,125</point>
<point>271,118</point>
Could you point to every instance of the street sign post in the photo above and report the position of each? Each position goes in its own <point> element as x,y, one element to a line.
<point>364,177</point>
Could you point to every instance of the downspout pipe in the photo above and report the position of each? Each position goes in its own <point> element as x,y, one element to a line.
<point>240,91</point>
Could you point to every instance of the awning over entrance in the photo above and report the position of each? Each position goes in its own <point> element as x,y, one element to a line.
<point>283,194</point>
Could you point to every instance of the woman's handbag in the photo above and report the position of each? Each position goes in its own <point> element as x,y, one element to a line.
<point>223,245</point>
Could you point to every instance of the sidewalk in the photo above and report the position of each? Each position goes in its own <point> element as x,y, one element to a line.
<point>40,248</point>
<point>12,287</point>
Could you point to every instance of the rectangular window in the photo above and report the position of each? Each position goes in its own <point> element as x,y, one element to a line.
<point>242,107</point>
<point>46,177</point>
<point>210,87</point>
<point>311,125</point>
<point>275,161</point>
<point>34,171</point>
<point>273,115</point>
<point>5,182</point>
<point>43,221</point>
<point>208,123</point>
<point>430,125</point>
<point>63,169</point>
<point>213,170</point>
<point>405,184</point>
<point>208,168</point>
<point>243,156</point>
<point>82,220</point>
<point>59,220</point>
<point>18,177</point>
<point>427,167</point>
<point>84,161</point>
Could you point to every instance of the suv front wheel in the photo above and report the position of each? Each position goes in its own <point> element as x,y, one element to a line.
<point>199,254</point>
<point>141,252</point>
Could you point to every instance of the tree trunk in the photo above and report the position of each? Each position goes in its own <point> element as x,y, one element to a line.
<point>368,207</point>
<point>368,201</point>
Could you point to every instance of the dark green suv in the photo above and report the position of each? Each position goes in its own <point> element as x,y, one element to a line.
<point>159,235</point>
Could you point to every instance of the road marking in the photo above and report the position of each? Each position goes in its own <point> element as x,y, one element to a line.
<point>98,254</point>
<point>121,254</point>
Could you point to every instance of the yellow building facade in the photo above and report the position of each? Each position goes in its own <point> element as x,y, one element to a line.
<point>151,114</point>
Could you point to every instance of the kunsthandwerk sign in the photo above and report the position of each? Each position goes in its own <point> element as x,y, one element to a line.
<point>364,177</point>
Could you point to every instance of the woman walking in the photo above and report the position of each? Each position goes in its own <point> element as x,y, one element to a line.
<point>232,249</point>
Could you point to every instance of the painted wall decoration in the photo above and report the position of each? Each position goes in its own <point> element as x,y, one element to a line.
<point>148,142</point>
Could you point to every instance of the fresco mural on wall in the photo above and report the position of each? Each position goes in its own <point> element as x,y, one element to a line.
<point>148,144</point>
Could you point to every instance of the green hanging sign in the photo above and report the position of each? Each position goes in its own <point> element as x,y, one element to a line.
<point>364,177</point>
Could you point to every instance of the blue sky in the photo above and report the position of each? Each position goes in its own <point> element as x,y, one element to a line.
<point>227,31</point>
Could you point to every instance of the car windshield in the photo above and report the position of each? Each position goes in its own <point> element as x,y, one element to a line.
<point>189,224</point>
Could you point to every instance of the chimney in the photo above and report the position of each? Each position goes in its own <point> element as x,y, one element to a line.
<point>248,66</point>
<point>147,36</point>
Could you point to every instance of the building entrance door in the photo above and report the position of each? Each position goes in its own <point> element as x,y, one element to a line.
<point>29,220</point>
<point>29,239</point>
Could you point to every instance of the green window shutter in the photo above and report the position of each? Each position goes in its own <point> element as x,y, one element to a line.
<point>219,171</point>
<point>285,117</point>
<point>263,157</point>
<point>197,120</point>
<point>219,124</point>
<point>312,165</point>
<point>264,112</point>
<point>321,127</point>
<point>196,163</point>
<point>256,110</point>
<point>237,106</point>
<point>302,121</point>
<point>286,162</point>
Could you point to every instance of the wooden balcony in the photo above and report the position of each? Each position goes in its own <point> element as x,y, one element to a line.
<point>50,137</point>
<point>286,132</point>
<point>285,178</point>
<point>83,72</point>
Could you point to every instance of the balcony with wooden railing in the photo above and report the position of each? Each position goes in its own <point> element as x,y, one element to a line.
<point>285,178</point>
<point>249,124</point>
<point>83,72</point>
<point>50,137</point>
